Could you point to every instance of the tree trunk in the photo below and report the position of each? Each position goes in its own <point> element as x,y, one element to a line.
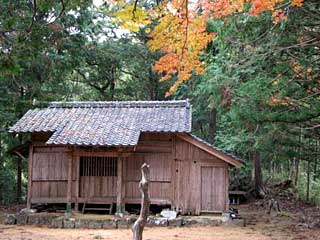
<point>315,170</point>
<point>18,197</point>
<point>212,125</point>
<point>1,165</point>
<point>153,84</point>
<point>296,177</point>
<point>258,183</point>
<point>308,181</point>
<point>138,226</point>
<point>112,82</point>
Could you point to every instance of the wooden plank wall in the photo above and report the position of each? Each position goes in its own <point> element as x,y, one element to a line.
<point>50,173</point>
<point>98,187</point>
<point>188,162</point>
<point>156,150</point>
<point>175,174</point>
<point>212,189</point>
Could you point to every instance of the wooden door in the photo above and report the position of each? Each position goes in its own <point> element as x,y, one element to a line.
<point>213,189</point>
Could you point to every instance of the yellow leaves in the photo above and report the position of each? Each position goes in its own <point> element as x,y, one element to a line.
<point>278,15</point>
<point>182,39</point>
<point>297,3</point>
<point>181,33</point>
<point>223,8</point>
<point>275,101</point>
<point>259,6</point>
<point>132,18</point>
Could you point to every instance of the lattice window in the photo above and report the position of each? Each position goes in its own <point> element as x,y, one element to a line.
<point>98,166</point>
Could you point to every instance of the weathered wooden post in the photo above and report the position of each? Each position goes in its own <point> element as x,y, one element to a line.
<point>138,226</point>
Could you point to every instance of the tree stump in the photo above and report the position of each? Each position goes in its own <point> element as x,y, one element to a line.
<point>138,226</point>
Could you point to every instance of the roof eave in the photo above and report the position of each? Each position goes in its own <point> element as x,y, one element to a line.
<point>189,138</point>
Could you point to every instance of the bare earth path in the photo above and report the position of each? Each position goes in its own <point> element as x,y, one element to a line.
<point>260,226</point>
<point>196,233</point>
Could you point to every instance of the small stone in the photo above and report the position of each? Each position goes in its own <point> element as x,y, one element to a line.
<point>95,224</point>
<point>212,222</point>
<point>109,224</point>
<point>97,237</point>
<point>22,218</point>
<point>169,214</point>
<point>175,222</point>
<point>81,223</point>
<point>10,219</point>
<point>122,224</point>
<point>46,219</point>
<point>33,219</point>
<point>28,210</point>
<point>69,223</point>
<point>156,221</point>
<point>302,225</point>
<point>57,223</point>
<point>238,222</point>
<point>225,217</point>
<point>189,222</point>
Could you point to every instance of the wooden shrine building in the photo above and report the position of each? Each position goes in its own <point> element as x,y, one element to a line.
<point>91,152</point>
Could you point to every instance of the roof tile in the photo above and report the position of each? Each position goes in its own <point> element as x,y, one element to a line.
<point>105,123</point>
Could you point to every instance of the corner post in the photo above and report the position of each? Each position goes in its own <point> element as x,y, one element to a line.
<point>227,189</point>
<point>30,166</point>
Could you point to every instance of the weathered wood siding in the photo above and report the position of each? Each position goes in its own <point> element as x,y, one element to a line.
<point>213,182</point>
<point>181,174</point>
<point>189,160</point>
<point>155,150</point>
<point>98,187</point>
<point>50,173</point>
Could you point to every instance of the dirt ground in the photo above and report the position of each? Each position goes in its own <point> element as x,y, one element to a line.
<point>259,226</point>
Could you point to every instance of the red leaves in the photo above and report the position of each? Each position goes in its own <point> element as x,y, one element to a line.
<point>181,32</point>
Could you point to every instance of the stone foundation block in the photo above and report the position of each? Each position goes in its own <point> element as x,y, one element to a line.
<point>10,219</point>
<point>69,223</point>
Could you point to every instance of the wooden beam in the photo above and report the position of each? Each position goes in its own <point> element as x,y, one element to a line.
<point>30,164</point>
<point>173,174</point>
<point>77,161</point>
<point>49,200</point>
<point>156,201</point>
<point>101,154</point>
<point>210,150</point>
<point>69,188</point>
<point>97,200</point>
<point>227,190</point>
<point>120,184</point>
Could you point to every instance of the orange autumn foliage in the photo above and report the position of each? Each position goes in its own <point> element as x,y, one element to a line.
<point>182,48</point>
<point>181,32</point>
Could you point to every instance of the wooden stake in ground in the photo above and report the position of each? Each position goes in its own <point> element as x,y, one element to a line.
<point>138,226</point>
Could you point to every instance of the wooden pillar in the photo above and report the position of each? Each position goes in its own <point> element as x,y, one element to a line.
<point>30,164</point>
<point>77,162</point>
<point>69,188</point>
<point>120,185</point>
<point>227,189</point>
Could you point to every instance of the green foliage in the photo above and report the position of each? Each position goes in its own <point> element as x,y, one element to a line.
<point>64,50</point>
<point>259,93</point>
<point>263,81</point>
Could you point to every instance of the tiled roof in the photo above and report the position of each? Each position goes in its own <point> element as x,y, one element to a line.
<point>105,123</point>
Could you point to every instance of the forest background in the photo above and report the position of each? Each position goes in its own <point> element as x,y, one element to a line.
<point>250,71</point>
